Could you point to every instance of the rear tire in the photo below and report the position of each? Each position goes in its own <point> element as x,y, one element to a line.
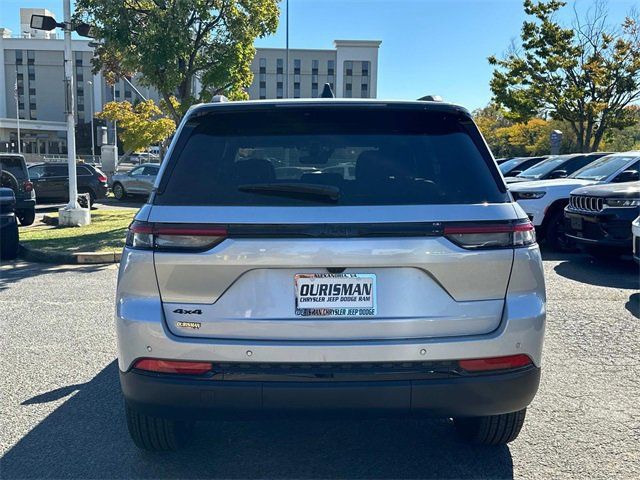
<point>491,430</point>
<point>555,237</point>
<point>156,434</point>
<point>26,217</point>
<point>118,191</point>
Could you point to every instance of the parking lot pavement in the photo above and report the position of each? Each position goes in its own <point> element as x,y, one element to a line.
<point>62,409</point>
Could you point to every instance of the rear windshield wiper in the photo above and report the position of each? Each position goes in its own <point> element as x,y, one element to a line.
<point>325,192</point>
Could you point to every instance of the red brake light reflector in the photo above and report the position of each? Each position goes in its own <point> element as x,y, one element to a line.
<point>27,186</point>
<point>498,235</point>
<point>495,363</point>
<point>102,178</point>
<point>173,366</point>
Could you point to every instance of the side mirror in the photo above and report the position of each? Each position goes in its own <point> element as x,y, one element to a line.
<point>558,174</point>
<point>7,200</point>
<point>513,173</point>
<point>627,176</point>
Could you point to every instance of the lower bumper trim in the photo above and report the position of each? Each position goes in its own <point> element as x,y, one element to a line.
<point>474,395</point>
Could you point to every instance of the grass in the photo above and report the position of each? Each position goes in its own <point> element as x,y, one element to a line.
<point>106,233</point>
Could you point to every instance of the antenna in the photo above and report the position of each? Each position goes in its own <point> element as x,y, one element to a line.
<point>327,92</point>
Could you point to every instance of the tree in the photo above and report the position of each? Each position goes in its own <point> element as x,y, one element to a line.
<point>193,49</point>
<point>621,140</point>
<point>139,126</point>
<point>585,75</point>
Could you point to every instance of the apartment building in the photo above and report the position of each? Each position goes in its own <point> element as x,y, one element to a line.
<point>351,68</point>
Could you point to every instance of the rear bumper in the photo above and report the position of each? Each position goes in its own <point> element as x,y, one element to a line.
<point>475,395</point>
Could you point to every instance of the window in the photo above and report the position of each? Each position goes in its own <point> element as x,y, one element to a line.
<point>137,171</point>
<point>348,90</point>
<point>82,171</point>
<point>117,93</point>
<point>314,67</point>
<point>20,78</point>
<point>331,67</point>
<point>296,90</point>
<point>78,56</point>
<point>32,72</point>
<point>279,66</point>
<point>20,105</point>
<point>18,57</point>
<point>279,90</point>
<point>263,84</point>
<point>348,87</point>
<point>314,90</point>
<point>296,66</point>
<point>365,69</point>
<point>32,105</point>
<point>348,68</point>
<point>31,57</point>
<point>263,65</point>
<point>36,171</point>
<point>380,156</point>
<point>32,91</point>
<point>364,88</point>
<point>80,107</point>
<point>20,90</point>
<point>127,94</point>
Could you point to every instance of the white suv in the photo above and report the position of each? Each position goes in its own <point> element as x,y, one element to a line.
<point>544,200</point>
<point>258,280</point>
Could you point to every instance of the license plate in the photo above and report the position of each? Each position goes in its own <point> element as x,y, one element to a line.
<point>576,223</point>
<point>335,294</point>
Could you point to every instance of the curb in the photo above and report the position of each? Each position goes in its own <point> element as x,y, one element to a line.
<point>40,256</point>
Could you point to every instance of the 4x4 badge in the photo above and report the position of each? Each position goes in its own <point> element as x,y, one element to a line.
<point>182,311</point>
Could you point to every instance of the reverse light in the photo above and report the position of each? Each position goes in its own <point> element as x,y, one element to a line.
<point>491,235</point>
<point>495,363</point>
<point>158,236</point>
<point>527,195</point>
<point>173,366</point>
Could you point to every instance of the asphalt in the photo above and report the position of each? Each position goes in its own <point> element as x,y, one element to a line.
<point>62,409</point>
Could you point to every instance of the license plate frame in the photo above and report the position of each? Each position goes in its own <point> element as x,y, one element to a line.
<point>310,301</point>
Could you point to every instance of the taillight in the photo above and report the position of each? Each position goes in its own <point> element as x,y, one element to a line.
<point>158,236</point>
<point>102,178</point>
<point>27,186</point>
<point>173,366</point>
<point>495,363</point>
<point>491,235</point>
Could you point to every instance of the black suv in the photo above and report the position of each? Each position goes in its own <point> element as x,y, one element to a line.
<point>14,175</point>
<point>598,218</point>
<point>51,181</point>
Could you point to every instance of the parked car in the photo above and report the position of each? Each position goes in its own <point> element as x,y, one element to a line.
<point>545,200</point>
<point>138,181</point>
<point>598,217</point>
<point>14,175</point>
<point>635,231</point>
<point>409,288</point>
<point>9,236</point>
<point>558,166</point>
<point>514,166</point>
<point>51,181</point>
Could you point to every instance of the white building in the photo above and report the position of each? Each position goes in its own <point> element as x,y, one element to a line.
<point>351,68</point>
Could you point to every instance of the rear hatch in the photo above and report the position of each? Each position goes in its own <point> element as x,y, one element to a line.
<point>259,235</point>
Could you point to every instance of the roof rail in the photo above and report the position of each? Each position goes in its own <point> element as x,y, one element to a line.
<point>430,98</point>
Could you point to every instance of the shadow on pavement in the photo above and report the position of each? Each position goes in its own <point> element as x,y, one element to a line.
<point>86,437</point>
<point>633,305</point>
<point>614,273</point>
<point>19,269</point>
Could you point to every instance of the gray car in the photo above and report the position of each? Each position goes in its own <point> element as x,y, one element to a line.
<point>407,287</point>
<point>138,181</point>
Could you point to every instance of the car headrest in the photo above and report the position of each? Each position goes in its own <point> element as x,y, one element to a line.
<point>253,170</point>
<point>323,178</point>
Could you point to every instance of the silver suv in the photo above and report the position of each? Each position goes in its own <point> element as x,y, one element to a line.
<point>258,280</point>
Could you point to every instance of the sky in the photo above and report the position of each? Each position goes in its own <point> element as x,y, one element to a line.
<point>435,47</point>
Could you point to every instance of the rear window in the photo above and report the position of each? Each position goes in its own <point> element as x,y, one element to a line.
<point>310,156</point>
<point>15,166</point>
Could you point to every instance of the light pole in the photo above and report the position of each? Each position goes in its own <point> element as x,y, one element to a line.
<point>71,215</point>
<point>286,66</point>
<point>93,140</point>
